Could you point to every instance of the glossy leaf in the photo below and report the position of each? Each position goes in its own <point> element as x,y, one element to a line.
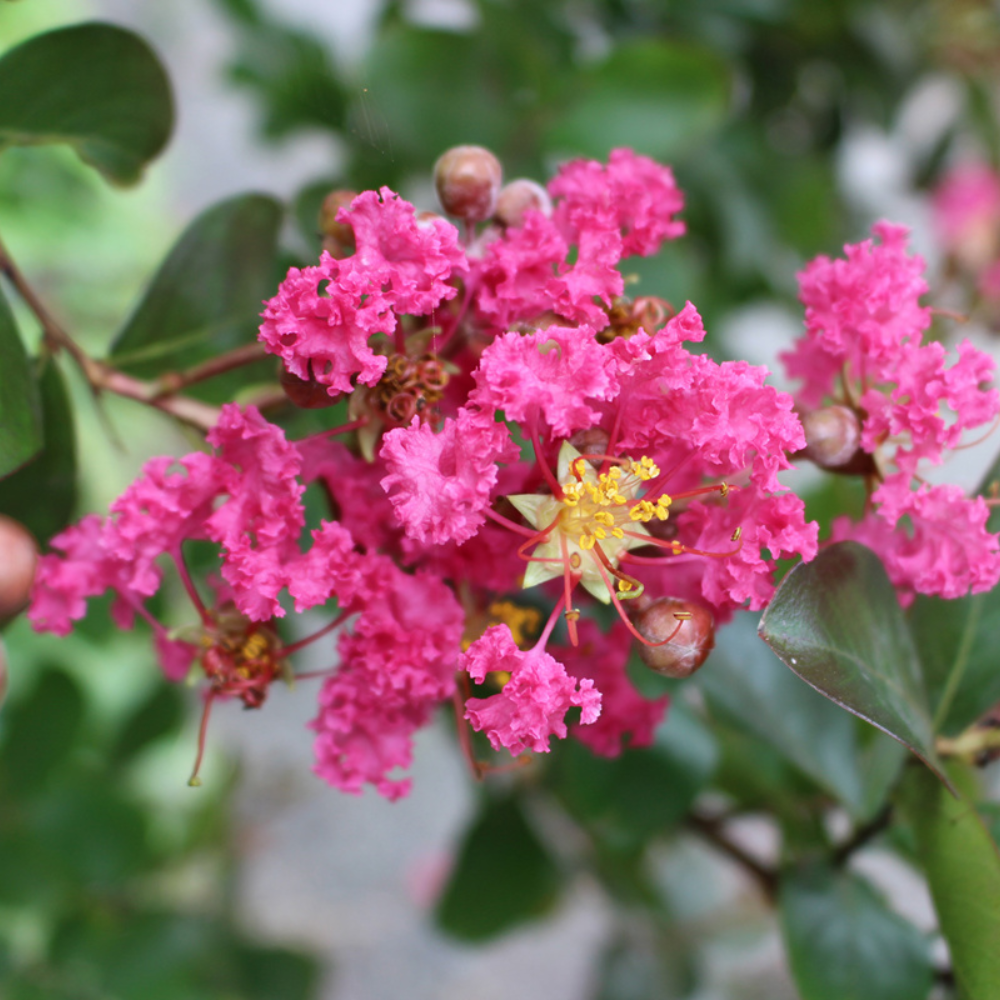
<point>836,622</point>
<point>660,97</point>
<point>644,791</point>
<point>50,474</point>
<point>20,414</point>
<point>844,943</point>
<point>962,865</point>
<point>207,295</point>
<point>749,684</point>
<point>99,88</point>
<point>503,875</point>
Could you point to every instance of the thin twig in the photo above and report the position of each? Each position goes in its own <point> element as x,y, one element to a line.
<point>862,835</point>
<point>712,830</point>
<point>99,375</point>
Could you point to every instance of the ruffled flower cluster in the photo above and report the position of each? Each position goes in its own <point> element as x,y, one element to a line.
<point>865,349</point>
<point>966,206</point>
<point>523,443</point>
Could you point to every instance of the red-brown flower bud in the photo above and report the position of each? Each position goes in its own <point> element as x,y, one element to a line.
<point>307,395</point>
<point>833,436</point>
<point>338,237</point>
<point>468,181</point>
<point>690,629</point>
<point>518,197</point>
<point>18,558</point>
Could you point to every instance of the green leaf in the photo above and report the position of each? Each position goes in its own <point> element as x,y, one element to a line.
<point>642,792</point>
<point>660,97</point>
<point>161,713</point>
<point>844,943</point>
<point>39,733</point>
<point>99,88</point>
<point>503,875</point>
<point>20,415</point>
<point>207,296</point>
<point>759,695</point>
<point>42,494</point>
<point>962,865</point>
<point>836,622</point>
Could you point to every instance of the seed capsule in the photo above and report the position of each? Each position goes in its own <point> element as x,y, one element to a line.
<point>338,237</point>
<point>833,436</point>
<point>518,197</point>
<point>18,559</point>
<point>468,181</point>
<point>690,629</point>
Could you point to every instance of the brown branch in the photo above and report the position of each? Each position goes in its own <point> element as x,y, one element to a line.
<point>173,382</point>
<point>862,835</point>
<point>712,829</point>
<point>99,375</point>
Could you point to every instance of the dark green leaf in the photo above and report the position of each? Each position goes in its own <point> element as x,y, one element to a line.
<point>844,943</point>
<point>642,792</point>
<point>99,88</point>
<point>51,474</point>
<point>20,416</point>
<point>962,865</point>
<point>39,732</point>
<point>161,713</point>
<point>503,875</point>
<point>836,622</point>
<point>265,973</point>
<point>643,965</point>
<point>757,693</point>
<point>208,294</point>
<point>660,97</point>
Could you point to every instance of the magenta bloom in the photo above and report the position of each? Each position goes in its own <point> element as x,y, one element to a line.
<point>532,704</point>
<point>863,348</point>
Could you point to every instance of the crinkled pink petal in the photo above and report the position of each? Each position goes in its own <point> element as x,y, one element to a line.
<point>175,656</point>
<point>775,523</point>
<point>404,260</point>
<point>259,525</point>
<point>440,483</point>
<point>641,194</point>
<point>627,718</point>
<point>361,738</point>
<point>551,373</point>
<point>533,703</point>
<point>516,270</point>
<point>942,547</point>
<point>319,324</point>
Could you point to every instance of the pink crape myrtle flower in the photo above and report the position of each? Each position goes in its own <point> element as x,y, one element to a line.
<point>532,704</point>
<point>322,319</point>
<point>614,425</point>
<point>863,349</point>
<point>627,719</point>
<point>966,207</point>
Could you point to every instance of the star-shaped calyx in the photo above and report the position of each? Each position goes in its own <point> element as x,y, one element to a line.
<point>584,532</point>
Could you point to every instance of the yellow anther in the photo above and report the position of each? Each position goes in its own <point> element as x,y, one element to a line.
<point>683,616</point>
<point>646,468</point>
<point>617,532</point>
<point>587,542</point>
<point>603,517</point>
<point>619,499</point>
<point>736,534</point>
<point>724,490</point>
<point>642,511</point>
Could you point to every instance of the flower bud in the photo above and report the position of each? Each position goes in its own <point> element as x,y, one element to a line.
<point>18,558</point>
<point>833,436</point>
<point>692,631</point>
<point>307,395</point>
<point>518,197</point>
<point>468,180</point>
<point>338,237</point>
